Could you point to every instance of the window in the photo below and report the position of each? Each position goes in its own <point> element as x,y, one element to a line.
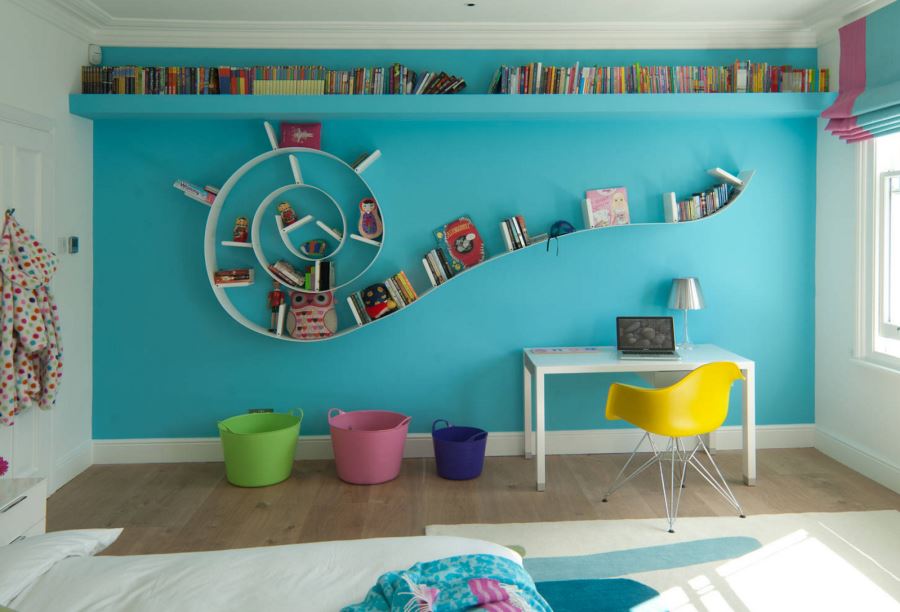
<point>884,227</point>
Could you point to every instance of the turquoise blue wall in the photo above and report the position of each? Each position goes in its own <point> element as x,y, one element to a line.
<point>168,362</point>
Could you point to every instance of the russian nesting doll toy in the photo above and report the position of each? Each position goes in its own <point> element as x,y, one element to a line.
<point>288,216</point>
<point>369,219</point>
<point>239,233</point>
<point>275,299</point>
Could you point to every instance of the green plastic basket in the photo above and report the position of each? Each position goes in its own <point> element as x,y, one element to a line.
<point>259,447</point>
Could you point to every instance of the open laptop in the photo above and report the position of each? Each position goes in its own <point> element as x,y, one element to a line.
<point>646,338</point>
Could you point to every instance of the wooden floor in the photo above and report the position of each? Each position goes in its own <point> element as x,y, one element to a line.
<point>190,506</point>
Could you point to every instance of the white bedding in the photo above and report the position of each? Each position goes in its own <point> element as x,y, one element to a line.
<point>298,577</point>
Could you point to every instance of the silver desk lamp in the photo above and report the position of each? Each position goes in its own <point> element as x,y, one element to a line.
<point>686,295</point>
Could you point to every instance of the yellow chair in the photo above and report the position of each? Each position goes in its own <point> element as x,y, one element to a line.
<point>695,405</point>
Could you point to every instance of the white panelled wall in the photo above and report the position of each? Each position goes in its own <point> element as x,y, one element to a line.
<point>46,173</point>
<point>857,403</point>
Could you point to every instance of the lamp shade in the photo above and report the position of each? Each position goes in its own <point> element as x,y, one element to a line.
<point>686,294</point>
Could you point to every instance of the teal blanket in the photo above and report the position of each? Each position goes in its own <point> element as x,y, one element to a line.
<point>467,582</point>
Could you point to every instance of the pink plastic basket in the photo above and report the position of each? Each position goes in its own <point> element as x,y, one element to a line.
<point>368,444</point>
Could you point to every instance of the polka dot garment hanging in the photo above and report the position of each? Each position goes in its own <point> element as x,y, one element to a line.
<point>30,344</point>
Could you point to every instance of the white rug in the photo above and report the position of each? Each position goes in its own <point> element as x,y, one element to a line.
<point>848,561</point>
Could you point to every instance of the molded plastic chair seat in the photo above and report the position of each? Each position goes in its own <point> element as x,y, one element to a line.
<point>695,405</point>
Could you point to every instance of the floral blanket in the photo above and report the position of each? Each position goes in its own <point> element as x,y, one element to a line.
<point>467,582</point>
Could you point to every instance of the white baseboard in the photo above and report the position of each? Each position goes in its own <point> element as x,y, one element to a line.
<point>503,443</point>
<point>71,465</point>
<point>863,462</point>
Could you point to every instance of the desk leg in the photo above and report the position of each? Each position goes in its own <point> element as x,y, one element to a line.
<point>539,418</point>
<point>749,429</point>
<point>526,394</point>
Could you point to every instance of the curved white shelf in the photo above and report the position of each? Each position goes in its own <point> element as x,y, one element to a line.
<point>295,225</point>
<point>215,212</point>
<point>745,176</point>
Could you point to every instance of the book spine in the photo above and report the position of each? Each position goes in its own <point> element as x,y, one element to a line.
<point>504,230</point>
<point>394,292</point>
<point>429,272</point>
<point>445,265</point>
<point>353,310</point>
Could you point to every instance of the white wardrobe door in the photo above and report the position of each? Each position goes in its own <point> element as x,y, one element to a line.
<point>26,184</point>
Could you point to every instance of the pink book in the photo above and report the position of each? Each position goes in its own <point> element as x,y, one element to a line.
<point>307,135</point>
<point>606,207</point>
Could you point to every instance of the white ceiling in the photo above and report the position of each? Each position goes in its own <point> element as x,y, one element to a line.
<point>492,11</point>
<point>451,24</point>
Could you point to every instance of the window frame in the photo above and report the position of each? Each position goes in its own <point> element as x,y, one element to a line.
<point>873,346</point>
<point>884,327</point>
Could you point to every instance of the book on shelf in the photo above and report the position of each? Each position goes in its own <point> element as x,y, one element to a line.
<point>698,206</point>
<point>307,135</point>
<point>195,192</point>
<point>605,207</point>
<point>265,80</point>
<point>237,276</point>
<point>438,267</point>
<point>317,277</point>
<point>465,247</point>
<point>739,77</point>
<point>515,233</point>
<point>380,299</point>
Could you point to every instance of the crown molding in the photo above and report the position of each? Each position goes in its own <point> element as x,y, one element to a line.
<point>86,20</point>
<point>430,35</point>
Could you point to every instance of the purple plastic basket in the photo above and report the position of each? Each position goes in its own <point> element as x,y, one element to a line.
<point>458,451</point>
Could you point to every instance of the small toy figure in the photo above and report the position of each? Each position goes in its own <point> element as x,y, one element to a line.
<point>239,233</point>
<point>369,219</point>
<point>288,216</point>
<point>378,301</point>
<point>315,248</point>
<point>312,315</point>
<point>276,299</point>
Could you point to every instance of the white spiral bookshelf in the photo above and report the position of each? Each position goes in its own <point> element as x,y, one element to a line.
<point>341,235</point>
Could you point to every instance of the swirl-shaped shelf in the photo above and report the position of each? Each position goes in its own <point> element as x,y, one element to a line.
<point>211,240</point>
<point>221,293</point>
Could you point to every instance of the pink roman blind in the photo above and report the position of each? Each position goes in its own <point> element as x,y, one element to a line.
<point>868,102</point>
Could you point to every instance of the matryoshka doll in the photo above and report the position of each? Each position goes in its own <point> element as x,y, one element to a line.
<point>288,216</point>
<point>239,233</point>
<point>369,219</point>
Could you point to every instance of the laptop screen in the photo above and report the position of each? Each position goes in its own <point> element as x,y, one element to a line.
<point>645,333</point>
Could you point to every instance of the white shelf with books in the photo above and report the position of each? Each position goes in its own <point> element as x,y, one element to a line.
<point>398,291</point>
<point>321,278</point>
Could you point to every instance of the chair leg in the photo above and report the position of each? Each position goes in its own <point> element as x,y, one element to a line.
<point>717,481</point>
<point>619,481</point>
<point>672,497</point>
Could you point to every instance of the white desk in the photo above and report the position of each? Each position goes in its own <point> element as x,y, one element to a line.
<point>606,361</point>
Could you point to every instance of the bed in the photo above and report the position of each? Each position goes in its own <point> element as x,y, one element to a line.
<point>310,577</point>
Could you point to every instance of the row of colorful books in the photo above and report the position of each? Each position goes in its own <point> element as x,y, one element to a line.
<point>380,299</point>
<point>739,77</point>
<point>705,203</point>
<point>264,80</point>
<point>237,277</point>
<point>515,234</point>
<point>317,277</point>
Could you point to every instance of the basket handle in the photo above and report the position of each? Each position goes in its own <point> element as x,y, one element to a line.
<point>297,412</point>
<point>333,412</point>
<point>223,427</point>
<point>404,422</point>
<point>481,435</point>
<point>436,421</point>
